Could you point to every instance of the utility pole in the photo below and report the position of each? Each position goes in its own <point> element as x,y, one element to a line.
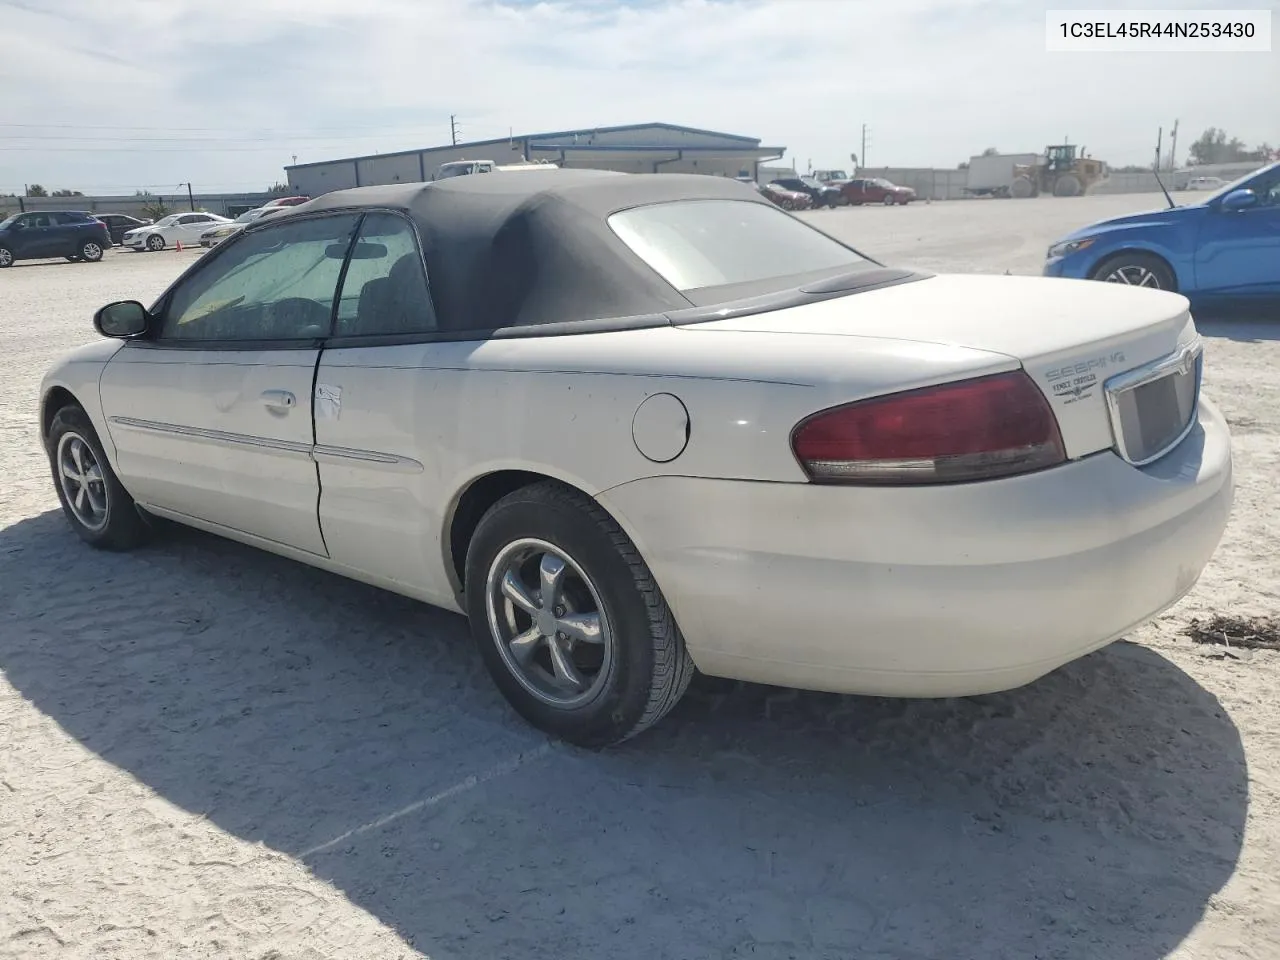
<point>1159,142</point>
<point>1173,147</point>
<point>453,128</point>
<point>190,197</point>
<point>862,156</point>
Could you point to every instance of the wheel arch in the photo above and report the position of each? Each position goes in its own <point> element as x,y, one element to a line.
<point>471,503</point>
<point>54,399</point>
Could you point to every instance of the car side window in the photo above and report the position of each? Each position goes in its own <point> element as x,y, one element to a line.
<point>277,283</point>
<point>385,290</point>
<point>1269,195</point>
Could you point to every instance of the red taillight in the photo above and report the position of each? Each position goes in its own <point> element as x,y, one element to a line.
<point>971,430</point>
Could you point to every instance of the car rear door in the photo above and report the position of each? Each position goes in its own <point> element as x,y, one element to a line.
<point>190,226</point>
<point>1238,251</point>
<point>211,416</point>
<point>377,396</point>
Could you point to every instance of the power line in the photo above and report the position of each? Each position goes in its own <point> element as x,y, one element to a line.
<point>90,126</point>
<point>212,150</point>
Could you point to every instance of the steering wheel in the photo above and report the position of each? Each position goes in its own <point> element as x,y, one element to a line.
<point>300,317</point>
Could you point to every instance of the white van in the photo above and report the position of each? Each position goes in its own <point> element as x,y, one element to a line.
<point>462,168</point>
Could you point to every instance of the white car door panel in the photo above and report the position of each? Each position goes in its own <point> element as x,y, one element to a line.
<point>379,496</point>
<point>211,416</point>
<point>379,501</point>
<point>220,435</point>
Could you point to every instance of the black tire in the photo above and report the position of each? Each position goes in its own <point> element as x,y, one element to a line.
<point>1023,188</point>
<point>6,257</point>
<point>1137,269</point>
<point>155,243</point>
<point>123,527</point>
<point>647,668</point>
<point>889,200</point>
<point>91,251</point>
<point>1067,185</point>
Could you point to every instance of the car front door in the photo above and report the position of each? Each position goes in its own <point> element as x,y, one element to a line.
<point>211,414</point>
<point>38,237</point>
<point>376,397</point>
<point>1238,251</point>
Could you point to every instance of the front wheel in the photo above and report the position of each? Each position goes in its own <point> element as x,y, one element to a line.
<point>568,619</point>
<point>1136,270</point>
<point>155,243</point>
<point>96,504</point>
<point>889,201</point>
<point>6,257</point>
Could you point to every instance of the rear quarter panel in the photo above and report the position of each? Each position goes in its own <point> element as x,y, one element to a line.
<point>565,405</point>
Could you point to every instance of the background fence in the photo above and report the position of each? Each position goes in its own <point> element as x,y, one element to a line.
<point>223,204</point>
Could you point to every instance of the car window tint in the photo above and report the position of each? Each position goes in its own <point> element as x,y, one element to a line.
<point>273,284</point>
<point>1269,195</point>
<point>709,243</point>
<point>385,290</point>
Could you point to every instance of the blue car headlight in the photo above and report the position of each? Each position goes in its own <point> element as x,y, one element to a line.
<point>1068,247</point>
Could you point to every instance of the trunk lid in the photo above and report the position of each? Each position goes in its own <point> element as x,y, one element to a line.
<point>1071,336</point>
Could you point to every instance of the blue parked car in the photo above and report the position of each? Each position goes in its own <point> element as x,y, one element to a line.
<point>74,234</point>
<point>1224,248</point>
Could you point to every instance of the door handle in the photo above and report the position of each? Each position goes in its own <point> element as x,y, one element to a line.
<point>278,399</point>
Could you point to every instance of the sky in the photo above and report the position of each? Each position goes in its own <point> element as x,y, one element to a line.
<point>113,97</point>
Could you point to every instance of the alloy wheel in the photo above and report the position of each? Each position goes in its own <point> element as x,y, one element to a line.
<point>82,481</point>
<point>1133,275</point>
<point>6,257</point>
<point>91,251</point>
<point>548,623</point>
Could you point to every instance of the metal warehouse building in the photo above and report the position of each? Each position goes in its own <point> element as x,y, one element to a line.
<point>636,148</point>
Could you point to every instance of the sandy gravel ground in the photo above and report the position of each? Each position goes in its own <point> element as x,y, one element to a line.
<point>210,752</point>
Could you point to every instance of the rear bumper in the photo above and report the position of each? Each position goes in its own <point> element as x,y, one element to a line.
<point>927,592</point>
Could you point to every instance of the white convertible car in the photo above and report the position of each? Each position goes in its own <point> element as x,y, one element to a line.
<point>634,424</point>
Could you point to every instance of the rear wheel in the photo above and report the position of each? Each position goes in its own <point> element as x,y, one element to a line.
<point>155,242</point>
<point>91,251</point>
<point>1136,270</point>
<point>568,619</point>
<point>888,200</point>
<point>94,501</point>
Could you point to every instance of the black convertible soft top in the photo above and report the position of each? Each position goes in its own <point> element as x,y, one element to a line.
<point>534,248</point>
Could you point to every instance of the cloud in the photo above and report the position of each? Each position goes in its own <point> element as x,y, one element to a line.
<point>228,93</point>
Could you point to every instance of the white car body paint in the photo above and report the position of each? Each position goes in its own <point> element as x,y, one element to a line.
<point>185,228</point>
<point>914,591</point>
